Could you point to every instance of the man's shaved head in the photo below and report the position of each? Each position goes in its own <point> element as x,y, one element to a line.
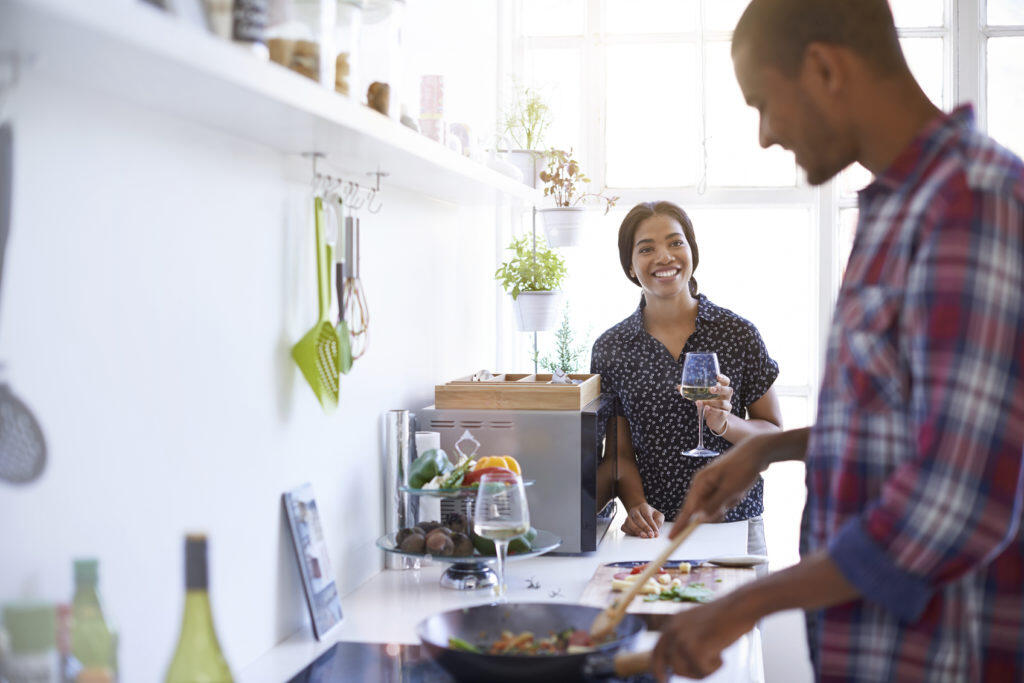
<point>779,31</point>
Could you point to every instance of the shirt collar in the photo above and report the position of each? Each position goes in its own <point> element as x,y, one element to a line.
<point>706,312</point>
<point>922,148</point>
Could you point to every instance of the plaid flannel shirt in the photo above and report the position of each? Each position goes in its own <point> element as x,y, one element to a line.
<point>915,471</point>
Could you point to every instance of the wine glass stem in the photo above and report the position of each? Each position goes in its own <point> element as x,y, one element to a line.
<point>700,428</point>
<point>501,550</point>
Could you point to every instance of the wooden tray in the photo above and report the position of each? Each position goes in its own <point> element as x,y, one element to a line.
<point>517,392</point>
<point>720,580</point>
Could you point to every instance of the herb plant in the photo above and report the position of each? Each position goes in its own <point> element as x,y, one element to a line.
<point>529,270</point>
<point>526,118</point>
<point>568,354</point>
<point>561,178</point>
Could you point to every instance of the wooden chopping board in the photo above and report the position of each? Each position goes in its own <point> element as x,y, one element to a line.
<point>720,580</point>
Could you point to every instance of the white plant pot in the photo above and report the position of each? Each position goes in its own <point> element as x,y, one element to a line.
<point>537,311</point>
<point>530,163</point>
<point>563,226</point>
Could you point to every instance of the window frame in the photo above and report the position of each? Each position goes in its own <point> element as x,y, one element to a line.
<point>965,38</point>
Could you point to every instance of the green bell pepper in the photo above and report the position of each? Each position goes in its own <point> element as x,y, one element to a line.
<point>430,464</point>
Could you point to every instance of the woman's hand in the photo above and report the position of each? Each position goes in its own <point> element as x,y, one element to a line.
<point>643,521</point>
<point>716,412</point>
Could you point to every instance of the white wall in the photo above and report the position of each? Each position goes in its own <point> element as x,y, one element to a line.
<point>156,277</point>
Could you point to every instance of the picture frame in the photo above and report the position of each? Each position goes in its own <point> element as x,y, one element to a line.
<point>311,552</point>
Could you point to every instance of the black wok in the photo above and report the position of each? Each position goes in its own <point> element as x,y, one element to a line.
<point>484,624</point>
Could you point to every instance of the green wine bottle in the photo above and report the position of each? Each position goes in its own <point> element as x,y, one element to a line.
<point>92,643</point>
<point>198,658</point>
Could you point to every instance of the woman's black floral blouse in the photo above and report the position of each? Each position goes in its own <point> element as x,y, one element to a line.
<point>643,375</point>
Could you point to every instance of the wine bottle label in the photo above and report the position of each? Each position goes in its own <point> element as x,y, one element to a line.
<point>249,21</point>
<point>195,563</point>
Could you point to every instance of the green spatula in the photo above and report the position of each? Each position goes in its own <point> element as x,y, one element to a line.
<point>317,352</point>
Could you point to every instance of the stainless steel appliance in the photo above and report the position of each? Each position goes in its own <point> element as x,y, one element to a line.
<point>563,451</point>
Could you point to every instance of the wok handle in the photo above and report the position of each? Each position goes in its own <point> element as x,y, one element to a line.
<point>632,663</point>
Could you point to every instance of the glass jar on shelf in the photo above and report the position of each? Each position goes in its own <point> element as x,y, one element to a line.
<point>302,39</point>
<point>382,55</point>
<point>348,26</point>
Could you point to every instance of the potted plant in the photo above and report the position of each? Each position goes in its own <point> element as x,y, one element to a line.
<point>568,354</point>
<point>532,276</point>
<point>562,224</point>
<point>523,124</point>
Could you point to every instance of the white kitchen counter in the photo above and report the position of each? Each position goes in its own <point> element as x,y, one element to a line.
<point>387,607</point>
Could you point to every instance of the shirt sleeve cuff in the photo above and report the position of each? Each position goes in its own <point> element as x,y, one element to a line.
<point>869,568</point>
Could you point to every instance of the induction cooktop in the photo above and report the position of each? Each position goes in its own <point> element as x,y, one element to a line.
<point>386,663</point>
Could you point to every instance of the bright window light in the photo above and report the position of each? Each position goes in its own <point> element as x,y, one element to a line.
<point>1006,91</point>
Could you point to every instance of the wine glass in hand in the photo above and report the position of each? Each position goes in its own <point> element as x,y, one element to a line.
<point>700,373</point>
<point>501,514</point>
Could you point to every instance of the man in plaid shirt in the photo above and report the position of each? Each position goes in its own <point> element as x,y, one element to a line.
<point>913,549</point>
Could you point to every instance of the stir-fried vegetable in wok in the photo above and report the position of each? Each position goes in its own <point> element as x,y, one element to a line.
<point>569,641</point>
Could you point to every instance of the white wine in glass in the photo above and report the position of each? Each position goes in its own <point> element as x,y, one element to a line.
<point>700,374</point>
<point>500,514</point>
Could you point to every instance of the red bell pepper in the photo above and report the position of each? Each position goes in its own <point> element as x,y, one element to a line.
<point>474,476</point>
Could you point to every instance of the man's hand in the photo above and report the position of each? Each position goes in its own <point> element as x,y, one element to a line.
<point>643,521</point>
<point>692,641</point>
<point>723,483</point>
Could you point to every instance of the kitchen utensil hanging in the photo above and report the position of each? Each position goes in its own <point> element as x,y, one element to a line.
<point>357,313</point>
<point>22,444</point>
<point>317,352</point>
<point>344,342</point>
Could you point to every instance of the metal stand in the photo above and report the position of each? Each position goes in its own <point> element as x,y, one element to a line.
<point>468,576</point>
<point>534,217</point>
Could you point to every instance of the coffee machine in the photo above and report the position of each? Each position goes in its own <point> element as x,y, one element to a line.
<point>566,453</point>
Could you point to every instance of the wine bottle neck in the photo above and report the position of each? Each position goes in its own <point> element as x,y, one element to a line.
<point>198,620</point>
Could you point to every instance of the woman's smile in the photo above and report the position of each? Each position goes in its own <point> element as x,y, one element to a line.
<point>667,273</point>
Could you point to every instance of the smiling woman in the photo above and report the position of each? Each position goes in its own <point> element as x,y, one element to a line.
<point>640,361</point>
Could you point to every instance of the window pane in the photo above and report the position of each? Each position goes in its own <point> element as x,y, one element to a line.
<point>554,17</point>
<point>847,229</point>
<point>796,412</point>
<point>917,13</point>
<point>742,254</point>
<point>722,15</point>
<point>854,179</point>
<point>556,73</point>
<point>746,280</point>
<point>925,59</point>
<point>1005,13</point>
<point>651,16</point>
<point>1006,91</point>
<point>651,131</point>
<point>735,157</point>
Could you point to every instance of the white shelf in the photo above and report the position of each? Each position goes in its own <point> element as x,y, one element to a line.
<point>140,54</point>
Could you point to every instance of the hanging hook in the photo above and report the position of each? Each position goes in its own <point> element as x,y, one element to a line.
<point>370,206</point>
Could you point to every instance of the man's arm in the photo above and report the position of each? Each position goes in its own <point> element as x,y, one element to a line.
<point>692,642</point>
<point>724,483</point>
<point>956,503</point>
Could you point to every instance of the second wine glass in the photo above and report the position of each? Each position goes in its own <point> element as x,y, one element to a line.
<point>700,373</point>
<point>500,514</point>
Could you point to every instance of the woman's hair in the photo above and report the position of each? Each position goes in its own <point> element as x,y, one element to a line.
<point>637,215</point>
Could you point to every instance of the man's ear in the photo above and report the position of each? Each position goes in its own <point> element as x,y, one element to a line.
<point>824,68</point>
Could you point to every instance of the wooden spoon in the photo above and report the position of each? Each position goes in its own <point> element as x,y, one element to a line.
<point>606,621</point>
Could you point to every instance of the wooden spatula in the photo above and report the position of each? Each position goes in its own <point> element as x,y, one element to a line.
<point>607,620</point>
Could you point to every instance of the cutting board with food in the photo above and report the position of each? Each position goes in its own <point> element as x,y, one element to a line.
<point>678,586</point>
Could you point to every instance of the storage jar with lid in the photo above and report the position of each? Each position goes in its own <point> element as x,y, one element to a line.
<point>382,55</point>
<point>348,26</point>
<point>302,39</point>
